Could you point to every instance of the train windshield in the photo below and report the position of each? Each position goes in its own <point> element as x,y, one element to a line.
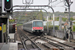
<point>38,24</point>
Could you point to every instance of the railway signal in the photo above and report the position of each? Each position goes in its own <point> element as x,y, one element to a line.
<point>8,5</point>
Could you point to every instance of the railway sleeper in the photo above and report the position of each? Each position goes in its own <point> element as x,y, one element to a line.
<point>54,44</point>
<point>25,36</point>
<point>64,47</point>
<point>30,45</point>
<point>50,46</point>
<point>67,46</point>
<point>23,43</point>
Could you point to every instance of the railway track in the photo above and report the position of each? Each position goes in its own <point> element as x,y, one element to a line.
<point>66,46</point>
<point>45,44</point>
<point>42,46</point>
<point>57,44</point>
<point>27,42</point>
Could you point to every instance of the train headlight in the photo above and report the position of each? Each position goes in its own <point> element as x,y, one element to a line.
<point>40,28</point>
<point>33,30</point>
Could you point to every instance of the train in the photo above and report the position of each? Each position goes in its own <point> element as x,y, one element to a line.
<point>34,26</point>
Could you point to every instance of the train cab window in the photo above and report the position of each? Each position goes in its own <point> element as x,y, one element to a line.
<point>37,24</point>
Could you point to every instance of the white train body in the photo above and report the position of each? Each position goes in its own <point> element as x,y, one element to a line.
<point>34,26</point>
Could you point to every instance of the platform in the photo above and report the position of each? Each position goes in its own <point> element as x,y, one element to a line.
<point>9,46</point>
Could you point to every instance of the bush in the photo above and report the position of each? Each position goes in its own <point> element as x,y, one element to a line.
<point>51,27</point>
<point>73,29</point>
<point>19,24</point>
<point>64,19</point>
<point>57,27</point>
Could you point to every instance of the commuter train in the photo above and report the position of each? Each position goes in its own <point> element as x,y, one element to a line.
<point>34,26</point>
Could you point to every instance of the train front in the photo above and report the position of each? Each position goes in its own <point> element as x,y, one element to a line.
<point>38,27</point>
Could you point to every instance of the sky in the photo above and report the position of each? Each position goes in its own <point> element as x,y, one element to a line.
<point>57,7</point>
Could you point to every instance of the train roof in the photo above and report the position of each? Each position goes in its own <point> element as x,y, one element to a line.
<point>32,21</point>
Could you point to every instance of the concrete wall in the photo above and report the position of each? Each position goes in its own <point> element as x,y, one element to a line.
<point>60,34</point>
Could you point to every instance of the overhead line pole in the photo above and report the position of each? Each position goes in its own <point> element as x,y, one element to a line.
<point>69,23</point>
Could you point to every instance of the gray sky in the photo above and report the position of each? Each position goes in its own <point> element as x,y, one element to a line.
<point>73,6</point>
<point>45,2</point>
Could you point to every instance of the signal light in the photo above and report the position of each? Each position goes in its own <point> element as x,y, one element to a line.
<point>7,0</point>
<point>8,5</point>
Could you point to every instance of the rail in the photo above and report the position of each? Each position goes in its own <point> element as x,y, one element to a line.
<point>25,36</point>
